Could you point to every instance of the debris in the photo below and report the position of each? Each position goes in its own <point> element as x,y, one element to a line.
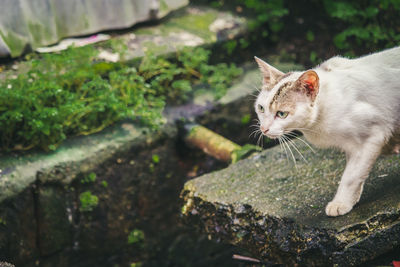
<point>210,142</point>
<point>76,42</point>
<point>108,56</point>
<point>221,24</point>
<point>244,258</point>
<point>216,145</point>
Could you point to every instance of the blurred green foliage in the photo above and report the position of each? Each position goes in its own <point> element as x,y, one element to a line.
<point>354,25</point>
<point>372,23</point>
<point>89,178</point>
<point>74,93</point>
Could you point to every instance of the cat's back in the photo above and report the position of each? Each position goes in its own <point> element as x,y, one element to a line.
<point>381,69</point>
<point>368,86</point>
<point>336,63</point>
<point>389,58</point>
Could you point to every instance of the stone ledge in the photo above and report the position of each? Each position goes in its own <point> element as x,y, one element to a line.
<point>190,26</point>
<point>275,211</point>
<point>76,155</point>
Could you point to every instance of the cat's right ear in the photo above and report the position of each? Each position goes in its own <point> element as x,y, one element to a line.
<point>269,73</point>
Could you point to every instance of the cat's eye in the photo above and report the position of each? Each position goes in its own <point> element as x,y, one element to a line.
<point>282,114</point>
<point>260,108</point>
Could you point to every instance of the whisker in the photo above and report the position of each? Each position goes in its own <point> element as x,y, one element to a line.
<point>262,141</point>
<point>255,132</point>
<point>290,150</point>
<point>284,149</point>
<point>257,87</point>
<point>258,140</point>
<point>303,141</point>
<point>255,96</point>
<point>298,151</point>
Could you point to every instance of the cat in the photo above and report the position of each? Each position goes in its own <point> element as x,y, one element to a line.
<point>349,104</point>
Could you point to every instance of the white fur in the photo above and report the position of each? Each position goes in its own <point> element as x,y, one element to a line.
<point>357,110</point>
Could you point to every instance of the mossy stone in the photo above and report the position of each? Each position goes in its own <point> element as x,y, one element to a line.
<point>274,209</point>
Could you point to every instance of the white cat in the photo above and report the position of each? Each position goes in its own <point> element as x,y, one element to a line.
<point>350,104</point>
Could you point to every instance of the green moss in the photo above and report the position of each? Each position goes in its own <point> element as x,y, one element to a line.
<point>90,178</point>
<point>197,24</point>
<point>88,201</point>
<point>71,93</point>
<point>152,48</point>
<point>136,237</point>
<point>39,33</point>
<point>155,158</point>
<point>15,43</point>
<point>63,29</point>
<point>163,6</point>
<point>144,31</point>
<point>104,184</point>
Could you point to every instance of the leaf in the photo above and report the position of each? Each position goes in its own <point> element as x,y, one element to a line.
<point>342,10</point>
<point>371,12</point>
<point>244,152</point>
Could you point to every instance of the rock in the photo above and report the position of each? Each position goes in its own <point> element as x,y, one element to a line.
<point>190,26</point>
<point>274,210</point>
<point>25,24</point>
<point>18,228</point>
<point>62,166</point>
<point>54,218</point>
<point>39,205</point>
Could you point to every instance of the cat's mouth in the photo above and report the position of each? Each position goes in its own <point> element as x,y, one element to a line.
<point>272,136</point>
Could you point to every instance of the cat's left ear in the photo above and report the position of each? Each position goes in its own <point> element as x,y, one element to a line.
<point>269,73</point>
<point>309,81</point>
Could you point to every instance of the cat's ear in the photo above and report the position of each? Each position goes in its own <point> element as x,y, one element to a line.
<point>270,74</point>
<point>309,80</point>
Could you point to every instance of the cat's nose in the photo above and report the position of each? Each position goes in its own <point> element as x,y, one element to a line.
<point>264,130</point>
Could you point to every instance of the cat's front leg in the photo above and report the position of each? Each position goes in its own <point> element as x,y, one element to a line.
<point>359,164</point>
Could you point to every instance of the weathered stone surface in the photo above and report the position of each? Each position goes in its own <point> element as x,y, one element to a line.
<point>190,26</point>
<point>276,211</point>
<point>54,218</point>
<point>18,228</point>
<point>24,23</point>
<point>78,155</point>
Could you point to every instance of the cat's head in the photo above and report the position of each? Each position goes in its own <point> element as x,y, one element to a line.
<point>286,101</point>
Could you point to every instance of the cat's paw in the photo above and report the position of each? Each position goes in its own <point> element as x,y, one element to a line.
<point>335,208</point>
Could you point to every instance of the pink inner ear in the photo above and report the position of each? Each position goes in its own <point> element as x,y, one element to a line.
<point>310,82</point>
